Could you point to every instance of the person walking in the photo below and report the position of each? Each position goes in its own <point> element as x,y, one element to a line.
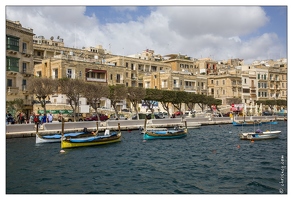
<point>50,118</point>
<point>32,118</point>
<point>44,118</point>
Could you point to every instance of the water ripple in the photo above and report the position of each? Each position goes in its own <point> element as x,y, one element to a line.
<point>210,160</point>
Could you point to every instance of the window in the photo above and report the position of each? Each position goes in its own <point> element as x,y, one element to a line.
<point>9,82</point>
<point>69,73</point>
<point>55,73</point>
<point>24,47</point>
<point>12,64</point>
<point>12,43</point>
<point>24,67</point>
<point>223,82</point>
<point>39,73</point>
<point>258,76</point>
<point>24,84</point>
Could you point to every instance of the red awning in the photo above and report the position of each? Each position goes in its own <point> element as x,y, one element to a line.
<point>235,109</point>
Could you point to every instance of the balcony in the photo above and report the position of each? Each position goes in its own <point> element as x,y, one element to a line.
<point>12,90</point>
<point>96,80</point>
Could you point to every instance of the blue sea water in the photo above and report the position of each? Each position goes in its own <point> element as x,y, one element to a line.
<point>210,160</point>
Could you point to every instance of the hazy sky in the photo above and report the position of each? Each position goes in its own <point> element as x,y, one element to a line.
<point>220,32</point>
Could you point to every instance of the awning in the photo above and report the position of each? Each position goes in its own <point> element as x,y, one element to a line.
<point>235,109</point>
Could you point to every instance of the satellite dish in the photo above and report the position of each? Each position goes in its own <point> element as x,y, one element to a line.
<point>52,38</point>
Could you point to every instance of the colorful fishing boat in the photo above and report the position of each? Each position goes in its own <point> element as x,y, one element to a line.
<point>273,122</point>
<point>51,138</point>
<point>164,133</point>
<point>107,138</point>
<point>246,123</point>
<point>57,137</point>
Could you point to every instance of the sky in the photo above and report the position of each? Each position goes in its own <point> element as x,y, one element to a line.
<point>249,32</point>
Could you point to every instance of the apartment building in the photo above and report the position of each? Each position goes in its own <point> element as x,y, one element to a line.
<point>29,55</point>
<point>19,62</point>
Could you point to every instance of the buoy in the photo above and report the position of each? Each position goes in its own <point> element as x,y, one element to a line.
<point>62,151</point>
<point>252,140</point>
<point>238,146</point>
<point>144,141</point>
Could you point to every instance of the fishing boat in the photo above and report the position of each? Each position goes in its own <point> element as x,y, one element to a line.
<point>57,137</point>
<point>258,135</point>
<point>164,133</point>
<point>246,123</point>
<point>51,138</point>
<point>269,122</point>
<point>97,139</point>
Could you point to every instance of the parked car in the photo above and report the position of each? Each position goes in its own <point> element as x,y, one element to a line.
<point>120,117</point>
<point>125,110</point>
<point>158,115</point>
<point>227,114</point>
<point>94,117</point>
<point>267,113</point>
<point>70,117</point>
<point>142,116</point>
<point>178,113</point>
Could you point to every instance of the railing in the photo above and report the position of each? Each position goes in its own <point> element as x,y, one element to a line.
<point>12,90</point>
<point>97,80</point>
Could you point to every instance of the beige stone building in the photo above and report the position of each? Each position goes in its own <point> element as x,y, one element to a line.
<point>27,54</point>
<point>19,62</point>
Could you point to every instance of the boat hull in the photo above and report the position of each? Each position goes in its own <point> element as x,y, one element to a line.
<point>259,136</point>
<point>148,135</point>
<point>89,141</point>
<point>270,122</point>
<point>245,123</point>
<point>57,137</point>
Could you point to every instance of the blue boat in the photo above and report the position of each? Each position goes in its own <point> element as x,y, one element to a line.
<point>170,134</point>
<point>51,138</point>
<point>246,123</point>
<point>164,133</point>
<point>273,122</point>
<point>57,137</point>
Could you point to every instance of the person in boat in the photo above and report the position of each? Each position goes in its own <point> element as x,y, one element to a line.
<point>258,131</point>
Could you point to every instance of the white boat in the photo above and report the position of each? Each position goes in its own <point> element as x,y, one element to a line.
<point>191,125</point>
<point>259,135</point>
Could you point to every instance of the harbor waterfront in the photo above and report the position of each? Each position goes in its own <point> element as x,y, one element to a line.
<point>209,160</point>
<point>29,130</point>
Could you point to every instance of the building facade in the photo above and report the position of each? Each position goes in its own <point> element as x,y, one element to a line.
<point>19,63</point>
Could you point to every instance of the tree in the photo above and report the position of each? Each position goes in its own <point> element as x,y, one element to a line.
<point>15,106</point>
<point>166,100</point>
<point>93,93</point>
<point>152,97</point>
<point>117,94</point>
<point>72,88</point>
<point>42,88</point>
<point>191,99</point>
<point>178,99</point>
<point>135,96</point>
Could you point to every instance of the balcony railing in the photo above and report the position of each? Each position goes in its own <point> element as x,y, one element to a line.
<point>96,80</point>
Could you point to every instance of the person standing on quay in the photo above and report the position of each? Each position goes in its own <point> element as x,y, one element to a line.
<point>44,119</point>
<point>50,118</point>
